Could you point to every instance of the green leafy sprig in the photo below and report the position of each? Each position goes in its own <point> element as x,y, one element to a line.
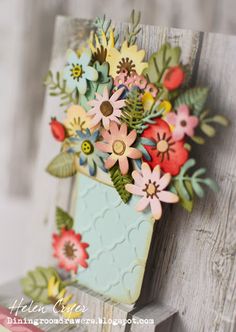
<point>103,25</point>
<point>186,185</point>
<point>57,88</point>
<point>133,30</point>
<point>63,220</point>
<point>119,181</point>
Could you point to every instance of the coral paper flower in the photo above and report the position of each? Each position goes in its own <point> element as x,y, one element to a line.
<point>77,71</point>
<point>76,119</point>
<point>118,143</point>
<point>105,108</point>
<point>164,151</point>
<point>69,250</point>
<point>127,59</point>
<point>183,122</point>
<point>150,185</point>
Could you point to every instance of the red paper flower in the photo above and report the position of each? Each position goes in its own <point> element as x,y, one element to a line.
<point>69,250</point>
<point>174,77</point>
<point>166,152</point>
<point>58,130</point>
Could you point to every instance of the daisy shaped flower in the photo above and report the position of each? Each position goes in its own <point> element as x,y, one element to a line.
<point>128,59</point>
<point>150,186</point>
<point>183,122</point>
<point>77,71</point>
<point>84,146</point>
<point>69,250</point>
<point>117,142</point>
<point>106,109</point>
<point>76,119</point>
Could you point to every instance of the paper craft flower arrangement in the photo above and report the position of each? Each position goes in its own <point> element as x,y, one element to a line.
<point>131,117</point>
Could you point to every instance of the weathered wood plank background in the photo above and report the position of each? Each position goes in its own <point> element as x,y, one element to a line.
<point>194,269</point>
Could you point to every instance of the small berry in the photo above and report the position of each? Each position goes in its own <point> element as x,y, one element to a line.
<point>58,130</point>
<point>173,78</point>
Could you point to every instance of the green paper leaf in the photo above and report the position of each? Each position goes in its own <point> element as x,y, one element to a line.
<point>35,284</point>
<point>134,29</point>
<point>63,219</point>
<point>63,165</point>
<point>104,80</point>
<point>208,130</point>
<point>161,60</point>
<point>119,182</point>
<point>198,139</point>
<point>195,98</point>
<point>196,181</point>
<point>187,204</point>
<point>220,119</point>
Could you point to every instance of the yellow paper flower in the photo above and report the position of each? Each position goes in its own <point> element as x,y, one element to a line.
<point>56,295</point>
<point>127,59</point>
<point>76,119</point>
<point>147,101</point>
<point>167,108</point>
<point>101,48</point>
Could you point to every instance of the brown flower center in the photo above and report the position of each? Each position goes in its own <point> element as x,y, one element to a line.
<point>76,71</point>
<point>151,189</point>
<point>69,250</point>
<point>106,108</point>
<point>164,145</point>
<point>118,147</point>
<point>183,123</point>
<point>125,64</point>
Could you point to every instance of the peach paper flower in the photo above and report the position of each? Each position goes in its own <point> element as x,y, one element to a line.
<point>118,143</point>
<point>106,109</point>
<point>150,185</point>
<point>183,122</point>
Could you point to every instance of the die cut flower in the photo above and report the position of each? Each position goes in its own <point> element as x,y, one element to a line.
<point>117,142</point>
<point>69,250</point>
<point>77,71</point>
<point>100,48</point>
<point>183,122</point>
<point>166,152</point>
<point>127,59</point>
<point>150,185</point>
<point>106,109</point>
<point>84,146</point>
<point>76,119</point>
<point>60,298</point>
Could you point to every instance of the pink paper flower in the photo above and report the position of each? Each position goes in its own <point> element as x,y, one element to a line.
<point>150,184</point>
<point>118,143</point>
<point>106,109</point>
<point>69,250</point>
<point>183,122</point>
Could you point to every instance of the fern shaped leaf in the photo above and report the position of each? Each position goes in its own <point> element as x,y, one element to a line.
<point>195,98</point>
<point>119,181</point>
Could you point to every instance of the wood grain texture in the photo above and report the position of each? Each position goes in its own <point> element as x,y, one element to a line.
<point>192,267</point>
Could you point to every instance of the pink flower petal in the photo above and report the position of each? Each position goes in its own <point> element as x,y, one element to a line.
<point>183,110</point>
<point>156,173</point>
<point>105,134</point>
<point>103,147</point>
<point>105,122</point>
<point>171,118</point>
<point>117,94</point>
<point>193,121</point>
<point>134,153</point>
<point>117,113</point>
<point>131,138</point>
<point>146,170</point>
<point>164,181</point>
<point>105,94</point>
<point>138,178</point>
<point>142,204</point>
<point>135,190</point>
<point>156,208</point>
<point>93,102</point>
<point>124,165</point>
<point>167,197</point>
<point>123,130</point>
<point>114,129</point>
<point>110,162</point>
<point>178,133</point>
<point>189,131</point>
<point>118,104</point>
<point>95,120</point>
<point>98,97</point>
<point>93,111</point>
